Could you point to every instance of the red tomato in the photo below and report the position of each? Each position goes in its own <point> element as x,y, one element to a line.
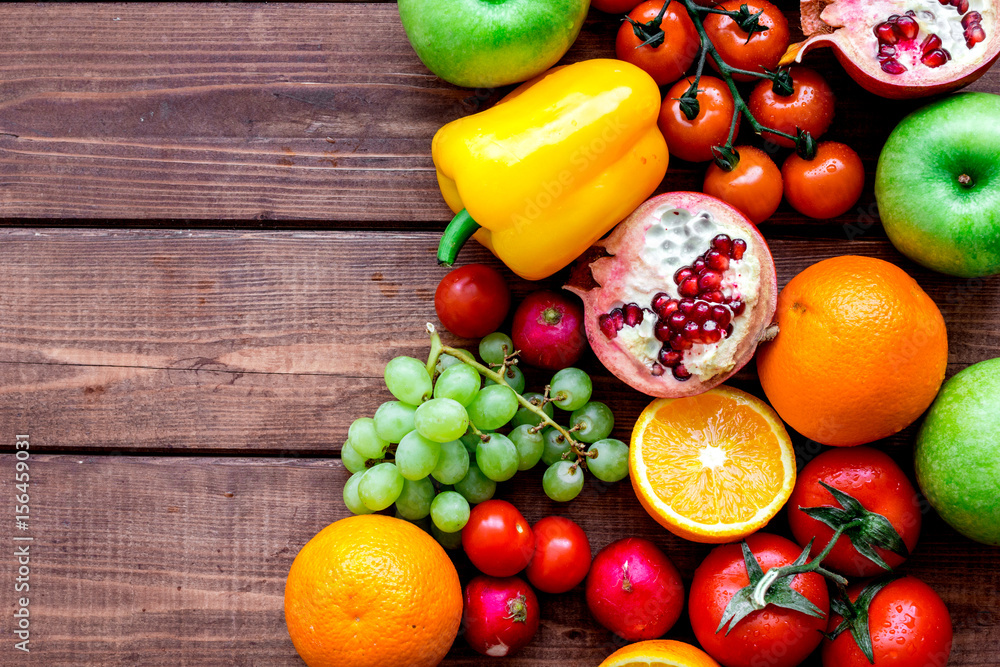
<point>771,636</point>
<point>809,107</point>
<point>826,186</point>
<point>871,478</point>
<point>910,627</point>
<point>497,539</point>
<point>668,61</point>
<point>614,6</point>
<point>562,555</point>
<point>692,140</point>
<point>472,301</point>
<point>754,187</point>
<point>762,51</point>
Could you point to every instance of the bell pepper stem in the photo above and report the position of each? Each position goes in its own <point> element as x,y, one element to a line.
<point>459,230</point>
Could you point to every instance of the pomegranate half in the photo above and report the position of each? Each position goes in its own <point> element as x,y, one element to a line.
<point>904,48</point>
<point>678,296</point>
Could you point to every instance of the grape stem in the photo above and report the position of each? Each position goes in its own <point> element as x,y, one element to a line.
<point>438,348</point>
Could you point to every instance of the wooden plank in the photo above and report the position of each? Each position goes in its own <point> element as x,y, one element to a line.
<point>182,561</point>
<point>274,342</point>
<point>271,112</point>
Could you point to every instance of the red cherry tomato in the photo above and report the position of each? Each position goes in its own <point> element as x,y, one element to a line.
<point>497,539</point>
<point>875,481</point>
<point>562,555</point>
<point>826,186</point>
<point>668,61</point>
<point>809,107</point>
<point>910,627</point>
<point>692,140</point>
<point>615,6</point>
<point>472,301</point>
<point>754,187</point>
<point>762,51</point>
<point>771,636</point>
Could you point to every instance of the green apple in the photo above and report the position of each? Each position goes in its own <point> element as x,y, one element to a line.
<point>938,185</point>
<point>488,43</point>
<point>958,452</point>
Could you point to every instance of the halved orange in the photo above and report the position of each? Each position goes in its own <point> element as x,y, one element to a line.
<point>659,653</point>
<point>713,467</point>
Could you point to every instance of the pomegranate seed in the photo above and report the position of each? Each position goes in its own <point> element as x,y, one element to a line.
<point>677,321</point>
<point>972,18</point>
<point>739,247</point>
<point>907,27</point>
<point>700,312</point>
<point>886,33</point>
<point>689,287</point>
<point>886,51</point>
<point>680,343</point>
<point>716,260</point>
<point>935,58</point>
<point>710,332</point>
<point>657,370</point>
<point>729,330</point>
<point>722,243</point>
<point>692,332</point>
<point>721,315</point>
<point>709,281</point>
<point>893,66</point>
<point>715,296</point>
<point>681,373</point>
<point>686,306</point>
<point>668,357</point>
<point>699,266</point>
<point>663,305</point>
<point>633,314</point>
<point>930,43</point>
<point>974,35</point>
<point>682,274</point>
<point>738,307</point>
<point>962,5</point>
<point>607,324</point>
<point>662,331</point>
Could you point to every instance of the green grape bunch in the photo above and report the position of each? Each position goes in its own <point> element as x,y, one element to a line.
<point>459,426</point>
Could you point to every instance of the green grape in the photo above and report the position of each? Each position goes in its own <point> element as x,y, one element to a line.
<point>563,481</point>
<point>446,361</point>
<point>529,446</point>
<point>365,440</point>
<point>441,420</point>
<point>514,378</point>
<point>556,445</point>
<point>407,380</point>
<point>447,540</point>
<point>593,422</point>
<point>414,501</point>
<point>494,348</point>
<point>492,407</point>
<point>393,420</point>
<point>497,458</point>
<point>380,486</point>
<point>460,382</point>
<point>471,441</point>
<point>571,389</point>
<point>450,511</point>
<point>453,464</point>
<point>353,461</point>
<point>417,456</point>
<point>611,462</point>
<point>475,486</point>
<point>526,416</point>
<point>351,497</point>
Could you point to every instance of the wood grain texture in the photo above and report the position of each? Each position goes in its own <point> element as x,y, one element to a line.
<point>274,114</point>
<point>181,561</point>
<point>275,341</point>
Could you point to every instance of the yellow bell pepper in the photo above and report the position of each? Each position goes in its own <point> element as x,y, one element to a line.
<point>545,173</point>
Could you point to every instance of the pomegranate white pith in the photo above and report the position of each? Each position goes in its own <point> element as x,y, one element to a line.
<point>684,297</point>
<point>905,48</point>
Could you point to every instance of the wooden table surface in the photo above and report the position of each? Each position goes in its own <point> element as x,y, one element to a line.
<point>218,224</point>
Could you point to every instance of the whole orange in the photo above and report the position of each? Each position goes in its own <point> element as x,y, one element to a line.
<point>371,591</point>
<point>860,353</point>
